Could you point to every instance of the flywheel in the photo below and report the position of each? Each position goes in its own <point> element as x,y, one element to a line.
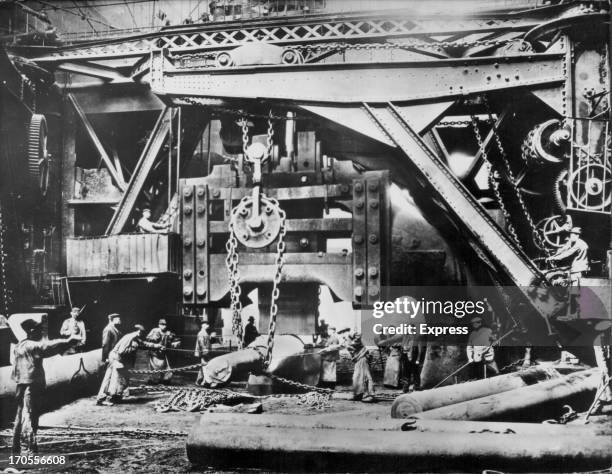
<point>38,156</point>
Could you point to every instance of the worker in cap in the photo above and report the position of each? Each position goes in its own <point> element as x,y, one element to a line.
<point>479,350</point>
<point>110,335</point>
<point>74,325</point>
<point>250,332</point>
<point>202,349</point>
<point>573,256</point>
<point>363,383</point>
<point>329,358</point>
<point>29,376</point>
<point>147,226</point>
<point>158,360</point>
<point>120,361</point>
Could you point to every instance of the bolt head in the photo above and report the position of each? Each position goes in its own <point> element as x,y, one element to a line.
<point>187,242</point>
<point>358,292</point>
<point>201,209</point>
<point>304,242</point>
<point>187,192</point>
<point>373,187</point>
<point>358,239</point>
<point>359,273</point>
<point>187,274</point>
<point>200,191</point>
<point>373,238</point>
<point>358,187</point>
<point>373,272</point>
<point>374,204</point>
<point>373,291</point>
<point>188,210</point>
<point>187,291</point>
<point>216,193</point>
<point>201,243</point>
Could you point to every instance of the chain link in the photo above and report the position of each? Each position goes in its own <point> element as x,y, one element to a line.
<point>279,261</point>
<point>163,371</point>
<point>494,182</point>
<point>231,262</point>
<point>535,232</point>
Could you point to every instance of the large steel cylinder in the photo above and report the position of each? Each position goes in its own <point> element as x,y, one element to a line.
<point>60,371</point>
<point>416,402</point>
<point>331,450</point>
<point>513,402</point>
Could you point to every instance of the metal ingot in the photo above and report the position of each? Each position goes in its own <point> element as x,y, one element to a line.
<point>256,231</point>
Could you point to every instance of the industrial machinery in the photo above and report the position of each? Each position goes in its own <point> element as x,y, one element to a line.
<point>346,149</point>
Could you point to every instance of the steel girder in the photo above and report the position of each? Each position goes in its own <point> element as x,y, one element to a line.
<point>307,30</point>
<point>363,82</point>
<point>459,202</point>
<point>141,172</point>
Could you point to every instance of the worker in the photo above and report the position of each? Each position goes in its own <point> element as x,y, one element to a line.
<point>74,325</point>
<point>110,335</point>
<point>202,349</point>
<point>480,353</point>
<point>414,348</point>
<point>329,357</point>
<point>363,383</point>
<point>158,360</point>
<point>29,376</point>
<point>321,331</point>
<point>575,252</point>
<point>250,332</point>
<point>145,224</point>
<point>121,360</point>
<point>393,366</point>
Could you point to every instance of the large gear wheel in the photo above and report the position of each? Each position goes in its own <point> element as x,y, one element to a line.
<point>38,157</point>
<point>590,188</point>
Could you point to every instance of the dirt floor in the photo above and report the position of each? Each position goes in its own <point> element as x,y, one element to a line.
<point>162,447</point>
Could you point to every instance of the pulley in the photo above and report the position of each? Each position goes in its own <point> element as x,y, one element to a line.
<point>38,157</point>
<point>257,221</point>
<point>547,144</point>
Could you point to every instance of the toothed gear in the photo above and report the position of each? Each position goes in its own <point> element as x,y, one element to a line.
<point>560,191</point>
<point>38,158</point>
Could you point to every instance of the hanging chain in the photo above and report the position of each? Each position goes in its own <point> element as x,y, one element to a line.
<point>270,136</point>
<point>231,263</point>
<point>232,258</point>
<point>535,232</point>
<point>494,182</point>
<point>5,294</point>
<point>279,261</point>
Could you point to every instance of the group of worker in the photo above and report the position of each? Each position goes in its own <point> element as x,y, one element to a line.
<point>330,343</point>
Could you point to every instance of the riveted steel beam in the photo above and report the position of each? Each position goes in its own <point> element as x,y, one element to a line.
<point>141,172</point>
<point>460,203</point>
<point>364,82</point>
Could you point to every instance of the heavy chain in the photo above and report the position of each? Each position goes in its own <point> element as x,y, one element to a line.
<point>279,261</point>
<point>270,136</point>
<point>231,262</point>
<point>5,293</point>
<point>232,251</point>
<point>537,236</point>
<point>494,182</point>
<point>199,399</point>
<point>397,46</point>
<point>163,371</point>
<point>300,386</point>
